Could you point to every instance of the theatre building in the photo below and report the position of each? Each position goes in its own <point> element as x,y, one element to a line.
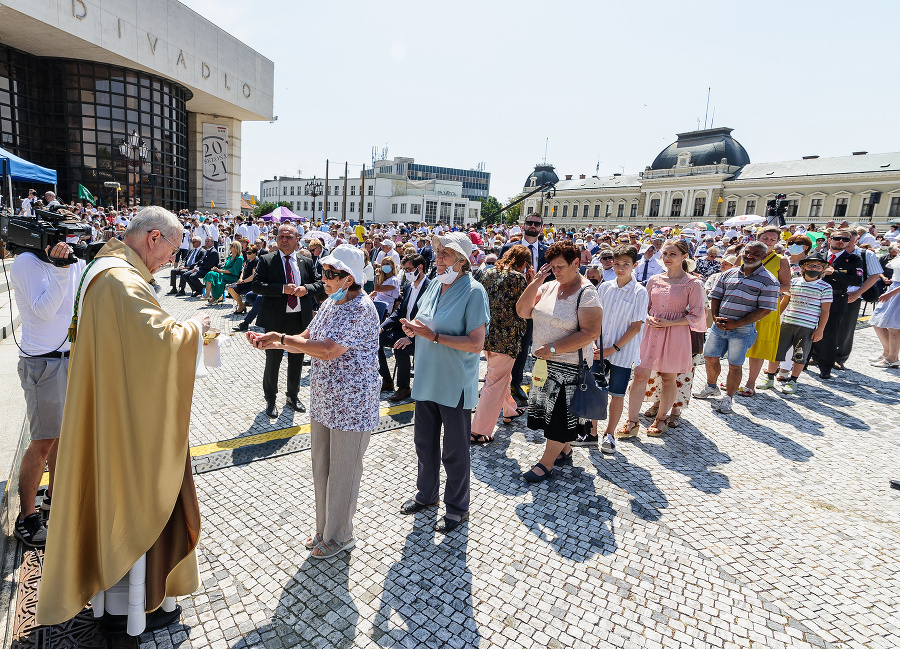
<point>708,175</point>
<point>148,94</point>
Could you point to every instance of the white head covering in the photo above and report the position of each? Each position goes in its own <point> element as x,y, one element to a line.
<point>349,259</point>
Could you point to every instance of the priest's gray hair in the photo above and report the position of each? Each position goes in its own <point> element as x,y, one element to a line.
<point>155,217</point>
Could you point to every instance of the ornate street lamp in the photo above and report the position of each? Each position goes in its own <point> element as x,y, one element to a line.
<point>313,188</point>
<point>135,151</point>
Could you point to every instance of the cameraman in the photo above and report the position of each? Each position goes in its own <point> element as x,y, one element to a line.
<point>45,298</point>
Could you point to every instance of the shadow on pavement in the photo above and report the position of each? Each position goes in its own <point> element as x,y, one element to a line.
<point>785,446</point>
<point>315,609</point>
<point>428,591</point>
<point>647,500</point>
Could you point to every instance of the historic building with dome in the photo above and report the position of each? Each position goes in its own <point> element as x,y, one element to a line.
<point>708,175</point>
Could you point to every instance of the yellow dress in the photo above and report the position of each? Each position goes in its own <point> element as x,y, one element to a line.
<point>769,328</point>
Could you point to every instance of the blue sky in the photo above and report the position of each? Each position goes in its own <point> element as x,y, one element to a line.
<point>459,83</point>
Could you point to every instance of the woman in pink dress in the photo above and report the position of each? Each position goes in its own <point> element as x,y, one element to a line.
<point>676,305</point>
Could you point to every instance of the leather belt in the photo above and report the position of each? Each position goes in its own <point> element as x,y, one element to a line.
<point>51,355</point>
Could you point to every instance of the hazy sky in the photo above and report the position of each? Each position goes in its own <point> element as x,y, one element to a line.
<point>458,83</point>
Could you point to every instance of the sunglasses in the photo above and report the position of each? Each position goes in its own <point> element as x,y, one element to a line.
<point>606,258</point>
<point>534,223</point>
<point>840,238</point>
<point>334,274</point>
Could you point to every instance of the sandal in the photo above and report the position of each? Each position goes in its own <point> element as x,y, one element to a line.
<point>563,459</point>
<point>328,549</point>
<point>313,541</point>
<point>628,430</point>
<point>508,420</point>
<point>744,391</point>
<point>674,420</point>
<point>658,428</point>
<point>531,476</point>
<point>480,439</point>
<point>652,411</point>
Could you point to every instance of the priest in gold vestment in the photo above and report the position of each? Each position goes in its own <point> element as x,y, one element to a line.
<point>124,492</point>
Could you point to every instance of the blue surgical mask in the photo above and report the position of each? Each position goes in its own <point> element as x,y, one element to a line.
<point>337,296</point>
<point>795,249</point>
<point>386,269</point>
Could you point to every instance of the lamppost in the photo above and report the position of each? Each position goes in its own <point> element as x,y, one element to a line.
<point>135,151</point>
<point>313,188</point>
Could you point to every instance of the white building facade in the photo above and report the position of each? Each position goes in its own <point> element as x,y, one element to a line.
<point>382,199</point>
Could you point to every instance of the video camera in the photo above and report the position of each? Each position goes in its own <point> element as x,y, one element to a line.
<point>47,228</point>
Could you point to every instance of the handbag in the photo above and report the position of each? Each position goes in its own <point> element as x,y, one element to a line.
<point>591,392</point>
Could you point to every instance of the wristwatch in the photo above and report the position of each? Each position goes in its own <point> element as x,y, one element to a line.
<point>616,347</point>
<point>435,339</point>
<point>552,349</point>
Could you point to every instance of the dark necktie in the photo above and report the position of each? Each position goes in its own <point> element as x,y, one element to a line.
<point>646,270</point>
<point>289,279</point>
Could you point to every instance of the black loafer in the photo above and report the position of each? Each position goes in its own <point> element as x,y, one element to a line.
<point>518,394</point>
<point>271,411</point>
<point>447,525</point>
<point>296,404</point>
<point>413,506</point>
<point>241,327</point>
<point>158,619</point>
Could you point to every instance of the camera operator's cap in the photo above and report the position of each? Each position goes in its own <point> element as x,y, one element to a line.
<point>458,241</point>
<point>645,248</point>
<point>349,259</point>
<point>730,259</point>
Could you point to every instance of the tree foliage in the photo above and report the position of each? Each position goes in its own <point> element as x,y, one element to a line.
<point>267,208</point>
<point>489,208</point>
<point>512,214</point>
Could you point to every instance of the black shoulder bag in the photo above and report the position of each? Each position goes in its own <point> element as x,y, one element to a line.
<point>591,395</point>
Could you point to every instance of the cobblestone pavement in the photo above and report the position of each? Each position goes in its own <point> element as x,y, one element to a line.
<point>770,527</point>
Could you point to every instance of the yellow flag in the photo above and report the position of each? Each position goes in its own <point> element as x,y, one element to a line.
<point>211,204</point>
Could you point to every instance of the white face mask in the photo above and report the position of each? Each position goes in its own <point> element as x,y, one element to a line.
<point>448,276</point>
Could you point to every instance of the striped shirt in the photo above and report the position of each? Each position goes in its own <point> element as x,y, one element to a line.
<point>621,307</point>
<point>806,302</point>
<point>740,294</point>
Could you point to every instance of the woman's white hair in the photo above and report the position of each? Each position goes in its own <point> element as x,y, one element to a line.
<point>155,217</point>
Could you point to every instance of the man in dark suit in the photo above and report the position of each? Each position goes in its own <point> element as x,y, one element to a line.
<point>392,334</point>
<point>534,223</point>
<point>846,269</point>
<point>209,261</point>
<point>191,264</point>
<point>287,283</point>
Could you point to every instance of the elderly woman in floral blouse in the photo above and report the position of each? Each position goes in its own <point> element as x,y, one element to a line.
<point>343,342</point>
<point>504,284</point>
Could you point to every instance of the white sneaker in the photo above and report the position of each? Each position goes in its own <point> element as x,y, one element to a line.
<point>724,405</point>
<point>708,391</point>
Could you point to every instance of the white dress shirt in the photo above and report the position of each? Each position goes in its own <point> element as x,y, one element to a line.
<point>413,295</point>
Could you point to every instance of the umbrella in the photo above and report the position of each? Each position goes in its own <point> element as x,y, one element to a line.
<point>894,222</point>
<point>700,225</point>
<point>324,237</point>
<point>621,227</point>
<point>745,219</point>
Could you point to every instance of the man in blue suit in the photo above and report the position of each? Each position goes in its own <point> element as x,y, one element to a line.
<point>534,223</point>
<point>392,333</point>
<point>209,261</point>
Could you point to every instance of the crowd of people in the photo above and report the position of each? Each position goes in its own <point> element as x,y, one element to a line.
<point>634,309</point>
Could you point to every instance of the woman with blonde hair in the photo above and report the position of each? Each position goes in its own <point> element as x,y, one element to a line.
<point>387,287</point>
<point>675,308</point>
<point>217,278</point>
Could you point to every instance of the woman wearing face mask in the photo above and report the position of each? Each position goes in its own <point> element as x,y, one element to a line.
<point>798,247</point>
<point>387,287</point>
<point>342,340</point>
<point>451,325</point>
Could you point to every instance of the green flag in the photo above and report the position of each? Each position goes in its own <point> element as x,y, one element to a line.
<point>84,194</point>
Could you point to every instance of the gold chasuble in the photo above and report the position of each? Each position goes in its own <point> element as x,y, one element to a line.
<point>123,479</point>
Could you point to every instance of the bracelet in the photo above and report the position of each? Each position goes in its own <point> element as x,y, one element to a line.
<point>616,347</point>
<point>435,340</point>
<point>282,339</point>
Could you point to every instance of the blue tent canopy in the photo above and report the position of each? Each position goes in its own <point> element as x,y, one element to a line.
<point>22,170</point>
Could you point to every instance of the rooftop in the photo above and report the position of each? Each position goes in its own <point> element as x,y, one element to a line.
<point>848,164</point>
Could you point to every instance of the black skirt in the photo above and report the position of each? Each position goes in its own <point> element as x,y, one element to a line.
<point>548,407</point>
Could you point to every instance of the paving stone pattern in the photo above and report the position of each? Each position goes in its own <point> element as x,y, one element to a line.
<point>770,527</point>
